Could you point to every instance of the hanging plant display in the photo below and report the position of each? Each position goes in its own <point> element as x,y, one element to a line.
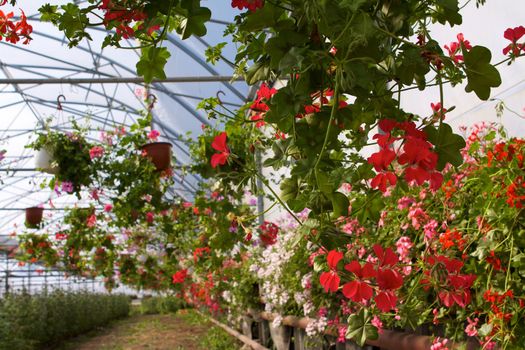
<point>68,156</point>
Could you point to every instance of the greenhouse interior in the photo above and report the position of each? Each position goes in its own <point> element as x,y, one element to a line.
<point>262,174</point>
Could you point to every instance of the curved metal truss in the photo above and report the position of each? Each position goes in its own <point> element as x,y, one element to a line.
<point>101,91</point>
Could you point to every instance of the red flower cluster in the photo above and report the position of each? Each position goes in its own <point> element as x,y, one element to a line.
<point>330,280</point>
<point>455,48</point>
<point>13,31</point>
<point>198,252</point>
<point>504,153</point>
<point>454,288</point>
<point>516,193</point>
<point>514,34</point>
<point>219,144</point>
<point>179,276</point>
<point>269,232</point>
<point>451,238</point>
<point>251,5</point>
<point>497,300</point>
<point>259,106</point>
<point>123,17</point>
<point>417,156</point>
<point>360,290</point>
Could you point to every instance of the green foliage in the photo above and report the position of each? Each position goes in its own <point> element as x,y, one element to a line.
<point>36,321</point>
<point>195,17</point>
<point>481,75</point>
<point>360,329</point>
<point>152,62</point>
<point>217,339</point>
<point>161,305</point>
<point>447,145</point>
<point>213,53</point>
<point>70,152</point>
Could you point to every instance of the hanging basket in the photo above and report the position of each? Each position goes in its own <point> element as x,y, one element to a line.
<point>44,161</point>
<point>34,216</point>
<point>159,153</point>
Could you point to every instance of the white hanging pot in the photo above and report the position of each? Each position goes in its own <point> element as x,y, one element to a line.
<point>44,161</point>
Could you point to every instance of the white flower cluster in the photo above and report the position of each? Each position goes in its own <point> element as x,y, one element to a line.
<point>269,269</point>
<point>303,298</point>
<point>316,326</point>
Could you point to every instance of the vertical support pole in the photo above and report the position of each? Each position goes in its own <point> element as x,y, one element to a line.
<point>29,278</point>
<point>6,272</point>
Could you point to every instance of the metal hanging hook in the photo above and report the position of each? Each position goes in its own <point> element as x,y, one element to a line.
<point>59,103</point>
<point>220,92</point>
<point>152,103</point>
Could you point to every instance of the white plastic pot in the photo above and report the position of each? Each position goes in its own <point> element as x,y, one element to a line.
<point>44,161</point>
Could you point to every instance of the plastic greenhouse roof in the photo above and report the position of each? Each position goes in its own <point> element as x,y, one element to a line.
<point>100,105</point>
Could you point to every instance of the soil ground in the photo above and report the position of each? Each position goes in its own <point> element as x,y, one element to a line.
<point>138,332</point>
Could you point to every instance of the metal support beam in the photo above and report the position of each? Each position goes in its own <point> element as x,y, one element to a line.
<point>51,209</point>
<point>119,80</point>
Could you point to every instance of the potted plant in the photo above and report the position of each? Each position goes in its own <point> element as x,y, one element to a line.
<point>136,172</point>
<point>146,138</point>
<point>66,155</point>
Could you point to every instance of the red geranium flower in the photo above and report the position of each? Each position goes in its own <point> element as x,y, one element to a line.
<point>219,144</point>
<point>330,280</point>
<point>386,301</point>
<point>180,276</point>
<point>251,5</point>
<point>514,34</point>
<point>359,290</point>
<point>386,257</point>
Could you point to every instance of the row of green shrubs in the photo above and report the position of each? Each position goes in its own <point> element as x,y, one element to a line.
<point>37,321</point>
<point>161,305</point>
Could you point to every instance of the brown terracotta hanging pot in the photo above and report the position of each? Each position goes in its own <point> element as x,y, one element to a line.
<point>34,216</point>
<point>159,153</point>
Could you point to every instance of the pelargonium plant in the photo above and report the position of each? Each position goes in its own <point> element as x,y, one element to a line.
<point>71,153</point>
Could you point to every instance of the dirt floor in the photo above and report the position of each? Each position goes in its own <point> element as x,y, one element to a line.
<point>159,332</point>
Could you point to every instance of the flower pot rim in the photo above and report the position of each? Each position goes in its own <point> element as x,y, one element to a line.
<point>40,208</point>
<point>157,143</point>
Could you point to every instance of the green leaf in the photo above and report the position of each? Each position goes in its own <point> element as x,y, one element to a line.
<point>323,182</point>
<point>340,203</point>
<point>360,329</point>
<point>481,75</point>
<point>485,329</point>
<point>293,59</point>
<point>267,16</point>
<point>289,189</point>
<point>448,145</point>
<point>353,5</point>
<point>152,62</point>
<point>48,13</point>
<point>213,53</point>
<point>195,21</point>
<point>448,11</point>
<point>259,71</point>
<point>412,65</point>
